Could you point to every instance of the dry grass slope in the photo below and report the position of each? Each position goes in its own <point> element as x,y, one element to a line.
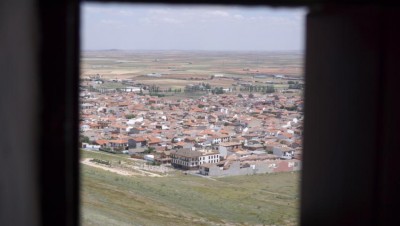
<point>112,199</point>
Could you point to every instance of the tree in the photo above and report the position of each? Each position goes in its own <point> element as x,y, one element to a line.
<point>149,150</point>
<point>292,108</point>
<point>84,139</point>
<point>240,95</point>
<point>251,95</point>
<point>130,116</point>
<point>219,90</point>
<point>270,89</point>
<point>295,86</point>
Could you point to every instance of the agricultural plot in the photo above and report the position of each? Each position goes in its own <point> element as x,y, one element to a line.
<point>130,64</point>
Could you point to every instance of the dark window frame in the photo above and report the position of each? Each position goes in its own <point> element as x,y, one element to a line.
<point>378,184</point>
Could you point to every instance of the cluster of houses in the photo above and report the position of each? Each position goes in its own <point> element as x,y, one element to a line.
<point>227,134</point>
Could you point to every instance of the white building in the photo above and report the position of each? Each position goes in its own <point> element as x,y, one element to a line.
<point>134,120</point>
<point>283,152</point>
<point>209,157</point>
<point>149,158</point>
<point>188,159</point>
<point>131,89</point>
<point>85,128</point>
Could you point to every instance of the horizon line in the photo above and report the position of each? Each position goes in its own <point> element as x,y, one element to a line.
<point>189,50</point>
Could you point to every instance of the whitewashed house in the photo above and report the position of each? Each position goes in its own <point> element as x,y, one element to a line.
<point>283,152</point>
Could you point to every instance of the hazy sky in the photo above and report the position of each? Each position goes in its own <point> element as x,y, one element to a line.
<point>166,27</point>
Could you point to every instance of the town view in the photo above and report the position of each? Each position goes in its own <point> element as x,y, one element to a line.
<point>190,137</point>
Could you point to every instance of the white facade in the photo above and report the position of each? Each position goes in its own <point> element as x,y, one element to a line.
<point>216,140</point>
<point>223,151</point>
<point>149,158</point>
<point>131,89</point>
<point>194,160</point>
<point>209,158</point>
<point>85,128</point>
<point>134,120</point>
<point>220,139</point>
<point>283,152</point>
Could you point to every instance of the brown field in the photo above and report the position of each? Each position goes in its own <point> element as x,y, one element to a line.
<point>179,68</point>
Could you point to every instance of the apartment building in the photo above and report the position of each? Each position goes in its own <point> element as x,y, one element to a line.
<point>191,160</point>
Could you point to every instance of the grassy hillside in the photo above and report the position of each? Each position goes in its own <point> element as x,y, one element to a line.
<point>178,199</point>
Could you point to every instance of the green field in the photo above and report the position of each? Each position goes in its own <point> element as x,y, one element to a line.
<point>178,199</point>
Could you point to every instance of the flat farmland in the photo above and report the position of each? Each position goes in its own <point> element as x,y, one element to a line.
<point>186,64</point>
<point>177,199</point>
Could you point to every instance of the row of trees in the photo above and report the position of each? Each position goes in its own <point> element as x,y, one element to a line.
<point>156,89</point>
<point>259,89</point>
<point>251,95</point>
<point>198,87</point>
<point>201,87</point>
<point>220,90</point>
<point>295,85</point>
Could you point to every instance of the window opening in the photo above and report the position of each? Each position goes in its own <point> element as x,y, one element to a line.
<point>190,114</point>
